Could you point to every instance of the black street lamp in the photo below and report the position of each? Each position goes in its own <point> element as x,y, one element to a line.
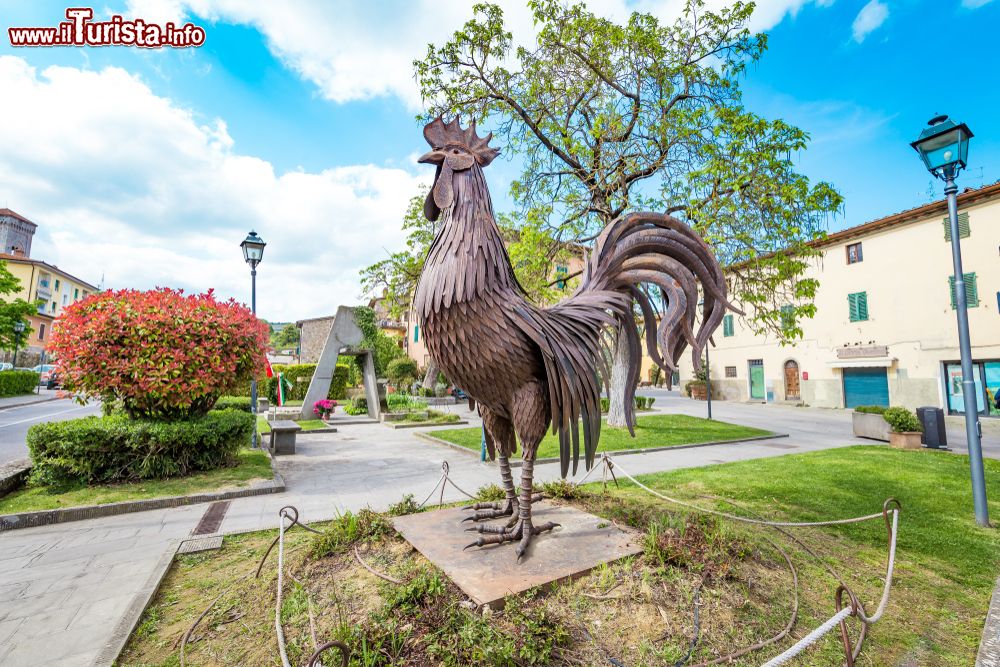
<point>18,330</point>
<point>944,148</point>
<point>253,252</point>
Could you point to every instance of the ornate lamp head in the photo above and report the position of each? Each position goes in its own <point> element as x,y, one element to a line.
<point>452,149</point>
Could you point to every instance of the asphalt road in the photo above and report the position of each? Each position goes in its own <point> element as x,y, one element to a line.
<point>14,423</point>
<point>821,424</point>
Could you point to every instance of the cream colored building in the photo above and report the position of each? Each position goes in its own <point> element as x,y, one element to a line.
<point>885,329</point>
<point>53,287</point>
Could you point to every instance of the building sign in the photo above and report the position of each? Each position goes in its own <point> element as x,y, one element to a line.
<point>862,352</point>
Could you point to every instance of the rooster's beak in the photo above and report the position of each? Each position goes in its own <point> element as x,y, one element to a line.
<point>432,157</point>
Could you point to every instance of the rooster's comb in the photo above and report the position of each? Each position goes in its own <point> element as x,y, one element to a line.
<point>440,134</point>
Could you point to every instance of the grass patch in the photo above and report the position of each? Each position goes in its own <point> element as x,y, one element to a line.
<point>264,427</point>
<point>650,431</point>
<point>253,465</point>
<point>642,612</point>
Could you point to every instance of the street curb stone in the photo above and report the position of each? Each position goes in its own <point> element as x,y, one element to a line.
<point>989,645</point>
<point>130,619</point>
<point>48,517</point>
<point>13,475</point>
<point>621,452</point>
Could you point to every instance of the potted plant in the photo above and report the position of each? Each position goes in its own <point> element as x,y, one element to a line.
<point>323,408</point>
<point>904,428</point>
<point>868,422</point>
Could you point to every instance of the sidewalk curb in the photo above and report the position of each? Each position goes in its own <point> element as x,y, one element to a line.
<point>397,425</point>
<point>48,517</point>
<point>137,607</point>
<point>48,399</point>
<point>621,452</point>
<point>989,645</point>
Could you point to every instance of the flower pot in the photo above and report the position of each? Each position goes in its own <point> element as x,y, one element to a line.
<point>699,392</point>
<point>906,440</point>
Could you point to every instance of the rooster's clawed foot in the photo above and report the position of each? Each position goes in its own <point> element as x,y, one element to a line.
<point>495,510</point>
<point>522,530</point>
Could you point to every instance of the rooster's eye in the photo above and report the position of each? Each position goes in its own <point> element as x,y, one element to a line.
<point>455,151</point>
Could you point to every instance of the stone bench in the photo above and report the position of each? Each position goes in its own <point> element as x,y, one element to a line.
<point>283,436</point>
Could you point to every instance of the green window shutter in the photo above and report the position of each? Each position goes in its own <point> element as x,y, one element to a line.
<point>857,306</point>
<point>727,325</point>
<point>786,316</point>
<point>971,290</point>
<point>963,227</point>
<point>416,333</point>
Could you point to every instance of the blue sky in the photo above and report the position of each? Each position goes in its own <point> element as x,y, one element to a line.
<point>297,119</point>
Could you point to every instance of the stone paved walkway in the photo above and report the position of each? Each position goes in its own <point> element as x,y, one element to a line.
<point>64,588</point>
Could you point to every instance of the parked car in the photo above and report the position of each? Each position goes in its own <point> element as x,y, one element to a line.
<point>43,371</point>
<point>54,380</point>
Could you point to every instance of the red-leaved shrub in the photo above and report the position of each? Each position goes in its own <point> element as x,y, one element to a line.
<point>161,353</point>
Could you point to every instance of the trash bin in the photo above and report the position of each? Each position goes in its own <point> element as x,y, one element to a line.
<point>932,419</point>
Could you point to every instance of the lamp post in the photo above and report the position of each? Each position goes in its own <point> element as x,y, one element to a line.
<point>944,147</point>
<point>18,330</point>
<point>253,252</point>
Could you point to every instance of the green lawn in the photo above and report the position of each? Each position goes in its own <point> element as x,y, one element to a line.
<point>263,427</point>
<point>650,431</point>
<point>253,464</point>
<point>946,564</point>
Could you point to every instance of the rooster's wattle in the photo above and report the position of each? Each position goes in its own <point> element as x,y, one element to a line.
<point>527,366</point>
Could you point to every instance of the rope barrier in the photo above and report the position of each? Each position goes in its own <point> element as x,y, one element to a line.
<point>289,518</point>
<point>840,617</point>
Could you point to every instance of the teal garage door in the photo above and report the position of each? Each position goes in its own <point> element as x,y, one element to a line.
<point>865,386</point>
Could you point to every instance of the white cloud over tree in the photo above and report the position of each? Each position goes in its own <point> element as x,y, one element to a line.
<point>128,184</point>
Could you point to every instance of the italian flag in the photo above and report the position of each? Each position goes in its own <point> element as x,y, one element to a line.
<point>283,386</point>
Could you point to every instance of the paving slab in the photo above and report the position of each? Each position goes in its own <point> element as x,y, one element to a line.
<point>489,574</point>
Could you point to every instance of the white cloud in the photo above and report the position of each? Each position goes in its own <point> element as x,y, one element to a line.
<point>975,4</point>
<point>357,51</point>
<point>868,19</point>
<point>129,185</point>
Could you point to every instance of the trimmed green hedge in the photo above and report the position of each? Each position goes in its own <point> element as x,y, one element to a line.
<point>870,409</point>
<point>641,403</point>
<point>902,420</point>
<point>343,376</point>
<point>117,449</point>
<point>233,403</point>
<point>13,383</point>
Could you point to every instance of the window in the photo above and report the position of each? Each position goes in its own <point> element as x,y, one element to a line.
<point>57,284</point>
<point>41,332</point>
<point>787,317</point>
<point>561,272</point>
<point>857,306</point>
<point>730,371</point>
<point>963,227</point>
<point>76,294</point>
<point>854,253</point>
<point>66,299</point>
<point>727,326</point>
<point>53,306</point>
<point>971,291</point>
<point>416,333</point>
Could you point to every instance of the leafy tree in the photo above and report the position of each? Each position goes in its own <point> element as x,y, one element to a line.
<point>610,118</point>
<point>288,336</point>
<point>396,276</point>
<point>402,372</point>
<point>384,347</point>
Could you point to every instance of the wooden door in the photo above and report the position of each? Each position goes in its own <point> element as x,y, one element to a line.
<point>791,380</point>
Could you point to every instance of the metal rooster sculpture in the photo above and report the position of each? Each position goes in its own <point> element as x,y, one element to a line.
<point>526,366</point>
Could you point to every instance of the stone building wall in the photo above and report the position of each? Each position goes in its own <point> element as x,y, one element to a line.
<point>312,337</point>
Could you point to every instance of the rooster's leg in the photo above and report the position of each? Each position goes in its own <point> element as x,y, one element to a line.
<point>506,507</point>
<point>521,529</point>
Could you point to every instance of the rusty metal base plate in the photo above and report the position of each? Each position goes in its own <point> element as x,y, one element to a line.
<point>488,574</point>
